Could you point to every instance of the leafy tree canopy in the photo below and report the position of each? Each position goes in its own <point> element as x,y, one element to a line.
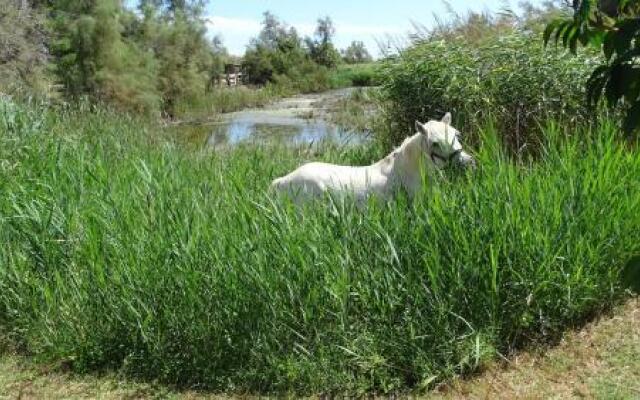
<point>356,53</point>
<point>613,26</point>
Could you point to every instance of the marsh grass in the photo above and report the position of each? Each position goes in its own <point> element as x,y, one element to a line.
<point>221,100</point>
<point>356,75</point>
<point>360,111</point>
<point>229,99</point>
<point>511,79</point>
<point>127,253</point>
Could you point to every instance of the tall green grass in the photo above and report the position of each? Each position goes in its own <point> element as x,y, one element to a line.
<point>359,111</point>
<point>229,99</point>
<point>124,252</point>
<point>357,75</point>
<point>511,79</point>
<point>319,79</point>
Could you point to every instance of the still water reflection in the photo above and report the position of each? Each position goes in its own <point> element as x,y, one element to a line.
<point>267,126</point>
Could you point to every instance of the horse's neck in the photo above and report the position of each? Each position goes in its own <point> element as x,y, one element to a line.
<point>402,166</point>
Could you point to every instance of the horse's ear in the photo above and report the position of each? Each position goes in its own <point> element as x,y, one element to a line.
<point>421,128</point>
<point>447,118</point>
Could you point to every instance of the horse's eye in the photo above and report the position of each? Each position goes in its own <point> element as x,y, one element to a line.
<point>435,145</point>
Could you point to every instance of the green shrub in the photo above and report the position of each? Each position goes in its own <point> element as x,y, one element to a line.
<point>278,56</point>
<point>359,75</point>
<point>141,63</point>
<point>229,99</point>
<point>359,111</point>
<point>511,79</point>
<point>174,265</point>
<point>356,53</point>
<point>305,77</point>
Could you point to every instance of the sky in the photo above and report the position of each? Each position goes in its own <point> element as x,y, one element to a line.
<point>237,21</point>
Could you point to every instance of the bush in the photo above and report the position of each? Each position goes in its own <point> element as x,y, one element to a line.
<point>228,99</point>
<point>356,53</point>
<point>305,77</point>
<point>360,75</point>
<point>173,265</point>
<point>511,79</point>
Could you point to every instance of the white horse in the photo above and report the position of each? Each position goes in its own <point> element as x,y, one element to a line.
<point>435,145</point>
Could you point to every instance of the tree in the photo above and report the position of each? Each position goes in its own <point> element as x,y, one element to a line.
<point>325,31</point>
<point>276,51</point>
<point>100,50</point>
<point>613,26</point>
<point>356,53</point>
<point>175,33</point>
<point>192,7</point>
<point>321,48</point>
<point>536,16</point>
<point>93,59</point>
<point>23,53</point>
<point>273,31</point>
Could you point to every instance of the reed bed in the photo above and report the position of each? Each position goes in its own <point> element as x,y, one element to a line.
<point>123,251</point>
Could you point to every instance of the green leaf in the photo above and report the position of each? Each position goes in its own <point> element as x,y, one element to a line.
<point>569,34</point>
<point>552,27</point>
<point>596,84</point>
<point>561,29</point>
<point>573,42</point>
<point>585,10</point>
<point>593,38</point>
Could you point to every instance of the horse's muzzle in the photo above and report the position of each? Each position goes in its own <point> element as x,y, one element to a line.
<point>466,160</point>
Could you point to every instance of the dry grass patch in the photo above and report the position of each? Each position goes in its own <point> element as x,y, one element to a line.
<point>600,361</point>
<point>20,379</point>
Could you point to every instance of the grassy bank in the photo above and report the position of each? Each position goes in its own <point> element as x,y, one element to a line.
<point>229,99</point>
<point>122,251</point>
<point>600,361</point>
<point>356,75</point>
<point>360,111</point>
<point>224,99</point>
<point>511,79</point>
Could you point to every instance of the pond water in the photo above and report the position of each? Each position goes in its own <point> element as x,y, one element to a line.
<point>297,120</point>
<point>261,127</point>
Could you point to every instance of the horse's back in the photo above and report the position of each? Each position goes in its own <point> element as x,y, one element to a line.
<point>302,181</point>
<point>315,178</point>
<point>321,174</point>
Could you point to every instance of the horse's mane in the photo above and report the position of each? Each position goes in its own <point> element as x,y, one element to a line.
<point>409,140</point>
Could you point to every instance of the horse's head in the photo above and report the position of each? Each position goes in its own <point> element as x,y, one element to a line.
<point>442,143</point>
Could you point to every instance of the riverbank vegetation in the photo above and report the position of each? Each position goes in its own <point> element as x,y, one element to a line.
<point>157,60</point>
<point>510,79</point>
<point>144,61</point>
<point>122,251</point>
<point>483,67</point>
<point>125,251</point>
<point>279,56</point>
<point>358,112</point>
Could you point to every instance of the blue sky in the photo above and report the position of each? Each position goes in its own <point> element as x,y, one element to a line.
<point>239,20</point>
